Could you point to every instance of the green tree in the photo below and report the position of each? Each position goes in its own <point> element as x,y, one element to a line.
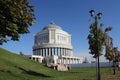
<point>112,54</point>
<point>15,18</point>
<point>97,39</point>
<point>109,49</point>
<point>116,58</point>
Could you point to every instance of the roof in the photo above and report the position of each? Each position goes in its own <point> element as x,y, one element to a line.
<point>52,25</point>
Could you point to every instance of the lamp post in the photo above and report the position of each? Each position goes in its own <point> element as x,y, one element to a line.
<point>96,18</point>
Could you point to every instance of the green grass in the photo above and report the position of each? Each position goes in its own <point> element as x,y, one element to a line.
<point>15,67</point>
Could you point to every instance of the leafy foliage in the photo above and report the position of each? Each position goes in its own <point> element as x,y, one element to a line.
<point>97,39</point>
<point>112,53</point>
<point>116,54</point>
<point>109,52</point>
<point>15,18</point>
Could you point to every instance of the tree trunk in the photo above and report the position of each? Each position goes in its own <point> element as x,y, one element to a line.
<point>114,67</point>
<point>99,77</point>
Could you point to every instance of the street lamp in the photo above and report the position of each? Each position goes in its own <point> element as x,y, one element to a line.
<point>91,12</point>
<point>97,17</point>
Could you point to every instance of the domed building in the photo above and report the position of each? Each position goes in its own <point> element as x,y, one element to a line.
<point>54,45</point>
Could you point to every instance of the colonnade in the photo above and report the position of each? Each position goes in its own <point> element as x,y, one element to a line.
<point>72,60</point>
<point>58,51</point>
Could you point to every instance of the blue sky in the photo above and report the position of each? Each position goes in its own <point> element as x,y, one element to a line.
<point>73,16</point>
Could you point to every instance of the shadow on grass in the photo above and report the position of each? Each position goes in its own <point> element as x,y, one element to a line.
<point>33,73</point>
<point>75,72</point>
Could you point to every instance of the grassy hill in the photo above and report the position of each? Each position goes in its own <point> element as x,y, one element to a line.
<point>16,67</point>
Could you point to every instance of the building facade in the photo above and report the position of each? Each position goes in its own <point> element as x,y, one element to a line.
<point>54,44</point>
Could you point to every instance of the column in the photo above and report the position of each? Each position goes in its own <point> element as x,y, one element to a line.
<point>34,52</point>
<point>60,51</point>
<point>65,52</point>
<point>54,51</point>
<point>70,60</point>
<point>42,51</point>
<point>50,51</point>
<point>57,52</point>
<point>74,61</point>
<point>63,60</point>
<point>39,51</point>
<point>35,58</point>
<point>78,61</point>
<point>66,61</point>
<point>46,52</point>
<point>68,52</point>
<point>71,52</point>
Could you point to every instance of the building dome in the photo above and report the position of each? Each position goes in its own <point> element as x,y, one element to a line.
<point>52,26</point>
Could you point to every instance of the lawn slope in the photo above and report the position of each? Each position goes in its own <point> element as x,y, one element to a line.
<point>16,67</point>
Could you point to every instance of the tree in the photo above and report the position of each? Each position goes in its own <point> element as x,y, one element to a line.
<point>15,18</point>
<point>109,49</point>
<point>112,53</point>
<point>116,58</point>
<point>97,38</point>
<point>109,53</point>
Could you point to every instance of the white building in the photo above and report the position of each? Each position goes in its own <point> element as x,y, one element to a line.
<point>54,44</point>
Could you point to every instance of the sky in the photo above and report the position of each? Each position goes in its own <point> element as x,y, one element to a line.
<point>73,17</point>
